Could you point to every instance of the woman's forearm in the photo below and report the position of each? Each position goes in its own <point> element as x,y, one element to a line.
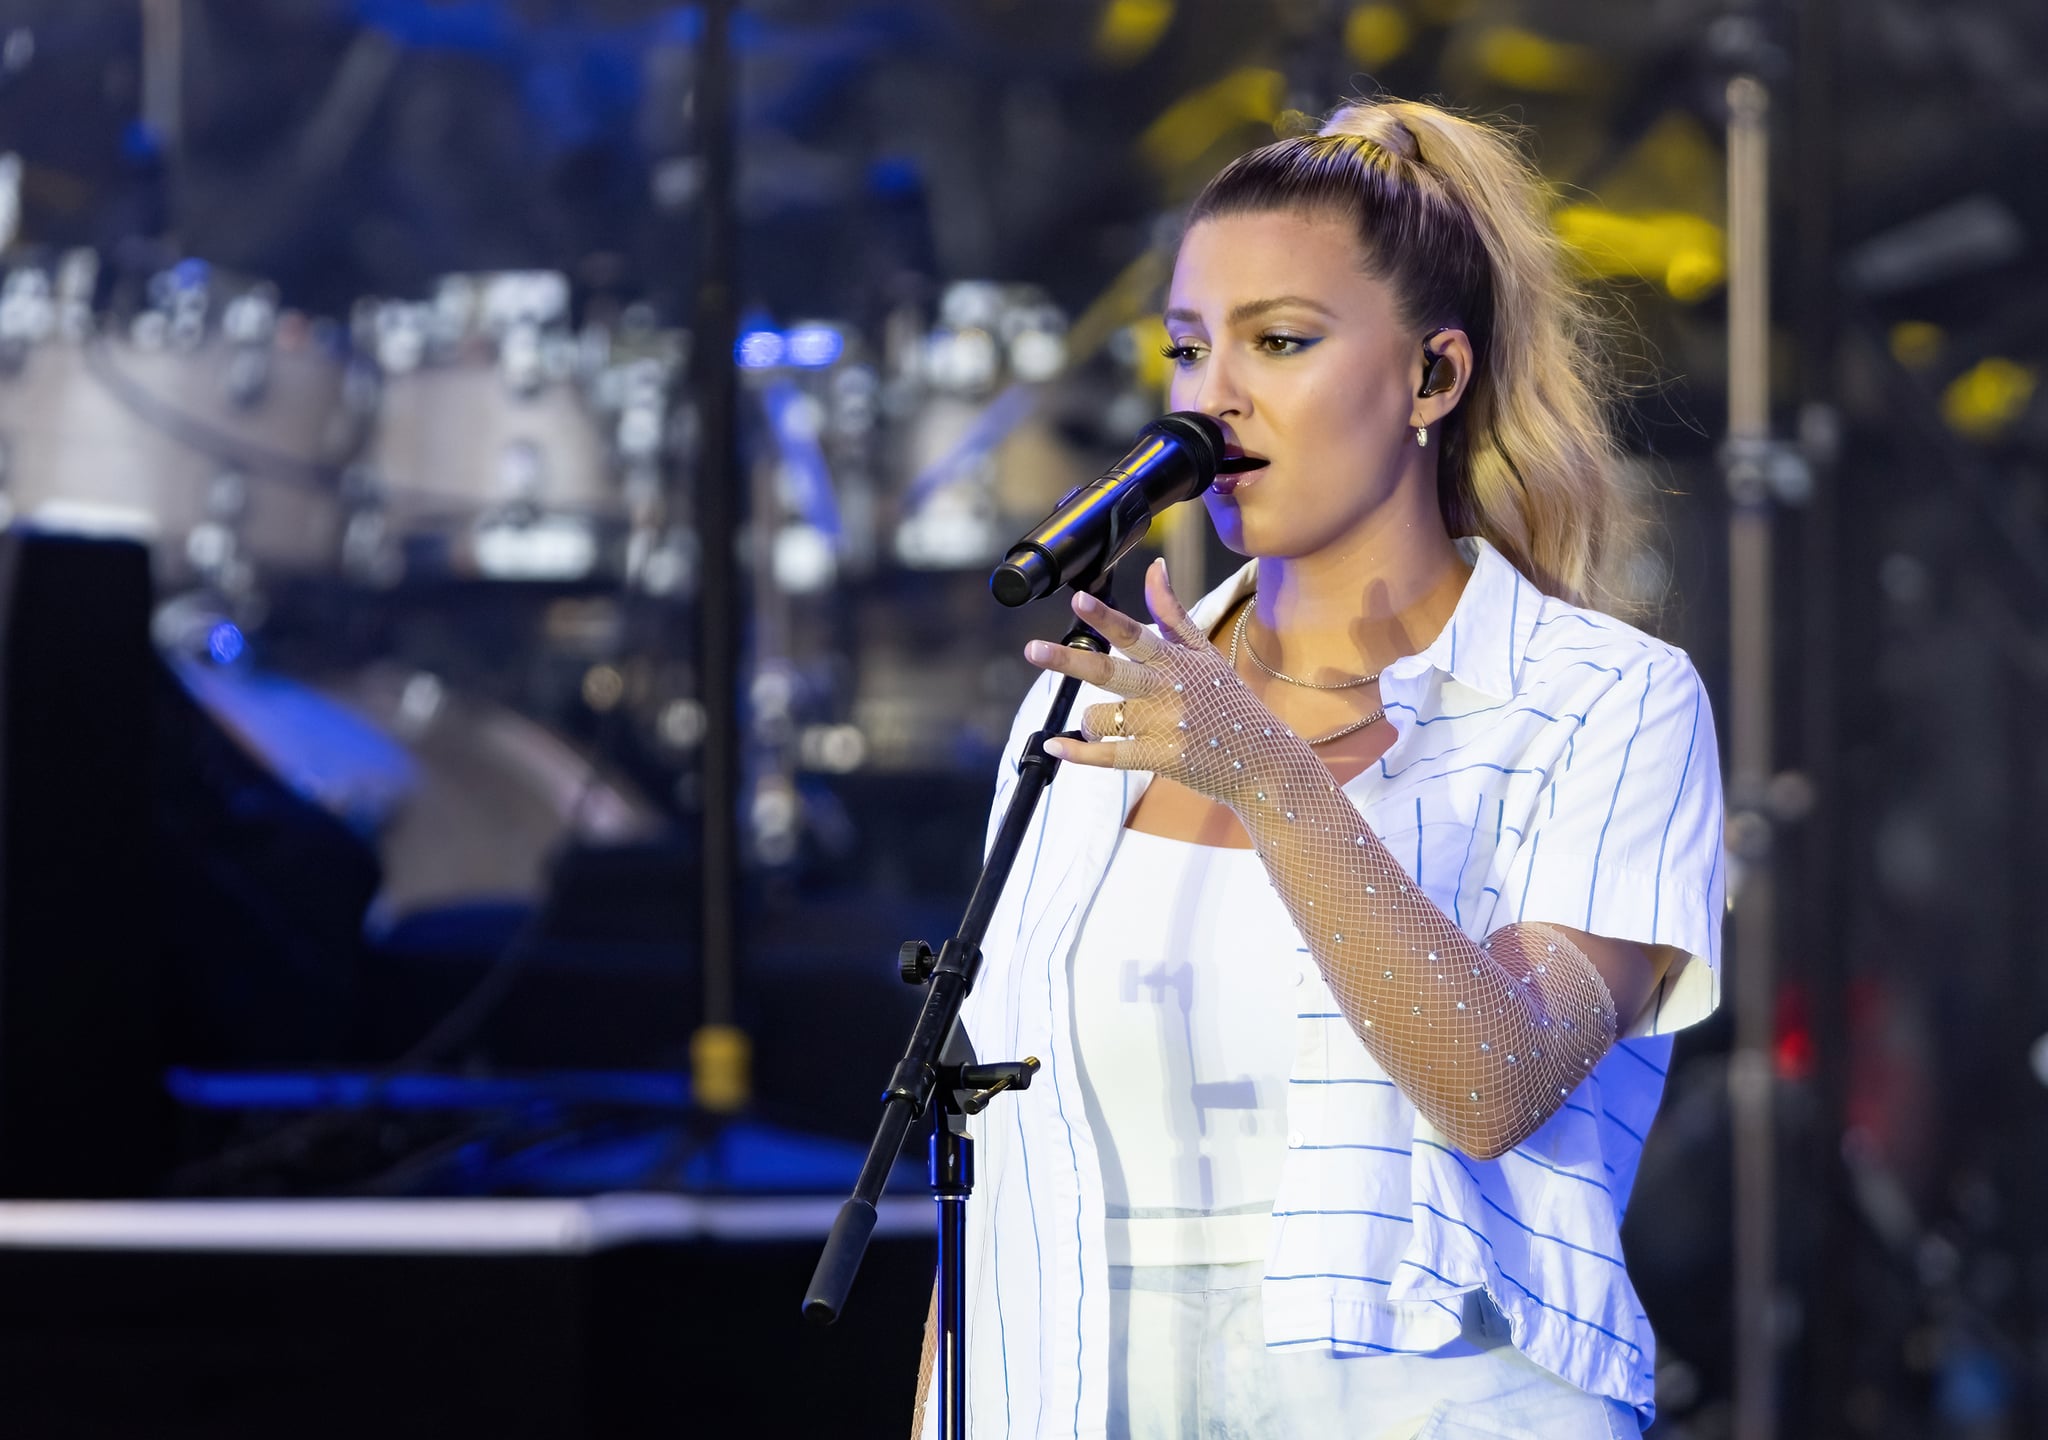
<point>1486,1038</point>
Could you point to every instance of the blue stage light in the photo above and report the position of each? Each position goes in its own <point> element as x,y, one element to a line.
<point>760,349</point>
<point>815,345</point>
<point>225,643</point>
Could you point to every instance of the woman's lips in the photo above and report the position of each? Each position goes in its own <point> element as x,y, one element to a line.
<point>1236,471</point>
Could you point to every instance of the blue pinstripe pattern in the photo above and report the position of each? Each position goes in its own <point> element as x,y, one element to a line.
<point>1594,1325</point>
<point>1583,619</point>
<point>1416,874</point>
<point>1330,1275</point>
<point>1341,1343</point>
<point>1052,1072</point>
<point>1570,650</point>
<point>1538,1299</point>
<point>1677,795</point>
<point>1519,1224</point>
<point>1520,1154</point>
<point>1629,1050</point>
<point>1503,709</point>
<point>1649,673</point>
<point>1433,1274</point>
<point>1514,613</point>
<point>1529,875</point>
<point>1045,807</point>
<point>1615,1120</point>
<point>1475,765</point>
<point>1383,1149</point>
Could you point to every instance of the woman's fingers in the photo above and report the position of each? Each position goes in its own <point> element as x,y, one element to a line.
<point>1166,607</point>
<point>1103,754</point>
<point>1117,628</point>
<point>1098,722</point>
<point>1107,672</point>
<point>1066,660</point>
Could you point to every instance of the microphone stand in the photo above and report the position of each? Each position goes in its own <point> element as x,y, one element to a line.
<point>939,1061</point>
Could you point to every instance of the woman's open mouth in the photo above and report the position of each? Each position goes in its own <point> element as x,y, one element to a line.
<point>1236,469</point>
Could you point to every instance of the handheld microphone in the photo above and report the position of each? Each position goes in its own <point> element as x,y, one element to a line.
<point>1175,459</point>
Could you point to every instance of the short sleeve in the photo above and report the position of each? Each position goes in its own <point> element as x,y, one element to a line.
<point>1629,845</point>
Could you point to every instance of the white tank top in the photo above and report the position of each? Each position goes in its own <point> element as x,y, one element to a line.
<point>1184,1022</point>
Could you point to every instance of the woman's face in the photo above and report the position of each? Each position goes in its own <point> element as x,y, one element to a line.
<point>1276,330</point>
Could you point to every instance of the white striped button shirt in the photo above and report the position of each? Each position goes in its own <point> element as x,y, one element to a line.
<point>1552,764</point>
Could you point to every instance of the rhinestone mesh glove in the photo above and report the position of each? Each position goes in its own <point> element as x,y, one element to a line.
<point>1486,1038</point>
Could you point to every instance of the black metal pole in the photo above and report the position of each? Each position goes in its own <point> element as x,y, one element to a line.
<point>952,1182</point>
<point>718,1051</point>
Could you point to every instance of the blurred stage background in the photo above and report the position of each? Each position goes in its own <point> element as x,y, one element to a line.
<point>371,372</point>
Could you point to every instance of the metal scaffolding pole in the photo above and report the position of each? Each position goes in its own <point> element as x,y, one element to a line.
<point>719,1049</point>
<point>1748,460</point>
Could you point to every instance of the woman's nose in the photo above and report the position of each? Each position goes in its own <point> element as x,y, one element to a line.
<point>1216,389</point>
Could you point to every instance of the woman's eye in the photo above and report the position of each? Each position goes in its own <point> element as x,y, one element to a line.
<point>1182,355</point>
<point>1282,344</point>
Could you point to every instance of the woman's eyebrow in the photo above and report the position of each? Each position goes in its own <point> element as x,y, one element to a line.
<point>1252,309</point>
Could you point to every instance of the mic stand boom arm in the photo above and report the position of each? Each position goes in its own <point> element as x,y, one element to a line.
<point>934,1063</point>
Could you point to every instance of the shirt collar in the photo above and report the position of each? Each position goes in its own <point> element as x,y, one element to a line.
<point>1482,646</point>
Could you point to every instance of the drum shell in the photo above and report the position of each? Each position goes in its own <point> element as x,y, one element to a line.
<point>442,452</point>
<point>80,443</point>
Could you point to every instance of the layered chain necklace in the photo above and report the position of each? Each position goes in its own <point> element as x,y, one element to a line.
<point>1237,638</point>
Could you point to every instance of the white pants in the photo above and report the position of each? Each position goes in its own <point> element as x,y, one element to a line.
<point>1189,1359</point>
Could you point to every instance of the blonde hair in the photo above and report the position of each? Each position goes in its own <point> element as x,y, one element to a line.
<point>1452,215</point>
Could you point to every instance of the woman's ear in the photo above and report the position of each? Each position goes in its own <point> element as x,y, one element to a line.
<point>1443,371</point>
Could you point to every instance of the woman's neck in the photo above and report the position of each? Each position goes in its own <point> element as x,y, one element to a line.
<point>1386,590</point>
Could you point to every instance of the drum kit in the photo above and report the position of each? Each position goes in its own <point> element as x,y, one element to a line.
<point>456,522</point>
<point>285,469</point>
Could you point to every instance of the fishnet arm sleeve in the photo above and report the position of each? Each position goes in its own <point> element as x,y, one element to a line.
<point>1486,1038</point>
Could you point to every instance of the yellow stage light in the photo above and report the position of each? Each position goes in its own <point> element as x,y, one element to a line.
<point>1375,34</point>
<point>1684,254</point>
<point>1149,338</point>
<point>1916,344</point>
<point>1983,400</point>
<point>1525,60</point>
<point>1129,29</point>
<point>1186,130</point>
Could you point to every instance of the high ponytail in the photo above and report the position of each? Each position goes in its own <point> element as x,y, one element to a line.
<point>1452,217</point>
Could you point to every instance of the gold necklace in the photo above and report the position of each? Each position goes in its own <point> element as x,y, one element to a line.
<point>1237,636</point>
<point>1246,614</point>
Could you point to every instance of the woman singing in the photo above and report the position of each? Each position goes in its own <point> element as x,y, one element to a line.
<point>1354,933</point>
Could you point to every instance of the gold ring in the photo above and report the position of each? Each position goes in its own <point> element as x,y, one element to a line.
<point>1117,720</point>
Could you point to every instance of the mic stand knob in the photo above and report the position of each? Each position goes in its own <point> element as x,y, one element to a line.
<point>914,962</point>
<point>988,1081</point>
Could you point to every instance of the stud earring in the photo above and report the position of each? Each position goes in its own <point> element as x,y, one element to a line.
<point>1422,437</point>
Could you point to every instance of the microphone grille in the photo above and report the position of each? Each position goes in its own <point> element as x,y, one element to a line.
<point>1199,433</point>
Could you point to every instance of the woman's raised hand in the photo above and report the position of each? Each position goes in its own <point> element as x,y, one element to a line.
<point>1185,714</point>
